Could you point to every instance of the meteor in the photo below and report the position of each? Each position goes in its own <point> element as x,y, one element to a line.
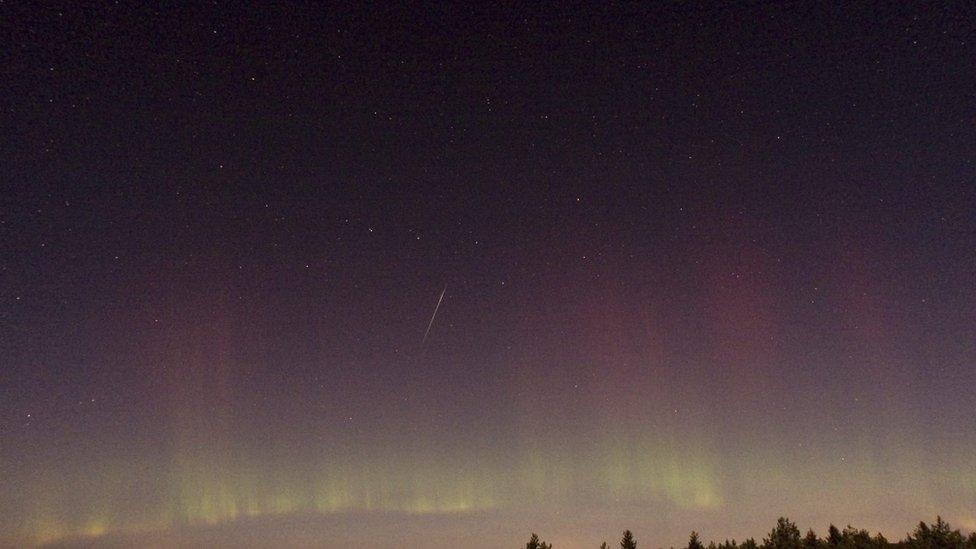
<point>433,316</point>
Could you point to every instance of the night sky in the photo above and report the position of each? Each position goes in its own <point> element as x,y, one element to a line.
<point>702,265</point>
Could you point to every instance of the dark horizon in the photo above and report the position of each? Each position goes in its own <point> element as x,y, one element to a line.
<point>477,271</point>
<point>787,535</point>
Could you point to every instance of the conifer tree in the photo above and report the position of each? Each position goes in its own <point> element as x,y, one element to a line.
<point>856,539</point>
<point>784,536</point>
<point>535,543</point>
<point>811,541</point>
<point>937,536</point>
<point>628,541</point>
<point>834,537</point>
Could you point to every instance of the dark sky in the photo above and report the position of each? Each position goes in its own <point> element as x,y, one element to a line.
<point>702,265</point>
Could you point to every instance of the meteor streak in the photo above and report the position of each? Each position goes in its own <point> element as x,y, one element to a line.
<point>433,316</point>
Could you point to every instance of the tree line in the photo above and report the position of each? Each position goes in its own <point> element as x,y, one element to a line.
<point>786,535</point>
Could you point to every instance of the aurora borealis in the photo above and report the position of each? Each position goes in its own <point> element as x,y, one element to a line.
<point>705,265</point>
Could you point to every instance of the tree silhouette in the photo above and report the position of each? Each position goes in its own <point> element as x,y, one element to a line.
<point>810,541</point>
<point>936,536</point>
<point>784,536</point>
<point>856,539</point>
<point>535,543</point>
<point>834,537</point>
